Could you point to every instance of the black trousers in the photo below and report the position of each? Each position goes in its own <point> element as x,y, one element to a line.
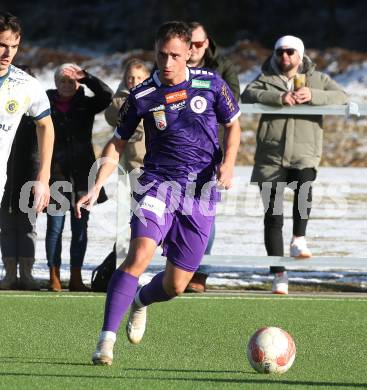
<point>300,181</point>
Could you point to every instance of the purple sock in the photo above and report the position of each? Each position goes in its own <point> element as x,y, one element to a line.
<point>120,293</point>
<point>154,291</point>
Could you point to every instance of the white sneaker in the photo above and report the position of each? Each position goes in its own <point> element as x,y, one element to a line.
<point>280,283</point>
<point>103,355</point>
<point>136,324</point>
<point>299,249</point>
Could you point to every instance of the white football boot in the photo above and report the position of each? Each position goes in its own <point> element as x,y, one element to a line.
<point>299,249</point>
<point>103,355</point>
<point>136,324</point>
<point>280,283</point>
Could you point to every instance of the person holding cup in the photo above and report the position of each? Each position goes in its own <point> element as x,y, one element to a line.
<point>289,147</point>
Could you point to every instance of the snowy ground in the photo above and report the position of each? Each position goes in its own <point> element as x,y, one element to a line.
<point>338,227</point>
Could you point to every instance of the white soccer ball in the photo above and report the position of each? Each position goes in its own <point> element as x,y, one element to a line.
<point>271,350</point>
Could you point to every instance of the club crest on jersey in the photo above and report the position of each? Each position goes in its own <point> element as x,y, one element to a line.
<point>198,104</point>
<point>11,106</point>
<point>160,120</point>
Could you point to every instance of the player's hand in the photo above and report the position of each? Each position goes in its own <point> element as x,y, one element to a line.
<point>302,95</point>
<point>73,73</point>
<point>41,192</point>
<point>288,99</point>
<point>86,201</point>
<point>224,176</point>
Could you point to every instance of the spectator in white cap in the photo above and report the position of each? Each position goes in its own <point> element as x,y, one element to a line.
<point>289,147</point>
<point>290,42</point>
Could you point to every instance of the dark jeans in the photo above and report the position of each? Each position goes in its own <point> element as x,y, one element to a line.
<point>79,239</point>
<point>300,181</point>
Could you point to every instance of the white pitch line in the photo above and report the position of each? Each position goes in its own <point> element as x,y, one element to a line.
<point>243,298</point>
<point>279,298</point>
<point>51,296</point>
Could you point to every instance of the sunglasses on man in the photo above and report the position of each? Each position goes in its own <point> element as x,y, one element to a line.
<point>289,52</point>
<point>198,44</point>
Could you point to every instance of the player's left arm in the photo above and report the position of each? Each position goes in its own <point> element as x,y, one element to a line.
<point>231,144</point>
<point>45,138</point>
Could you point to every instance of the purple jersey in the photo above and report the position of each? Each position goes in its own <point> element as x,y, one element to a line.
<point>181,124</point>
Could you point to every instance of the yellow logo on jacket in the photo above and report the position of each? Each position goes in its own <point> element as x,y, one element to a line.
<point>11,106</point>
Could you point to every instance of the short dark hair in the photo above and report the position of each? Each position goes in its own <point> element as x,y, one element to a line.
<point>194,25</point>
<point>10,22</point>
<point>173,29</point>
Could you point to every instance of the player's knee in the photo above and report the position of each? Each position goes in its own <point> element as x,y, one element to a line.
<point>137,258</point>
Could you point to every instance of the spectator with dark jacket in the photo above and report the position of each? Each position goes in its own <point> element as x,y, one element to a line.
<point>73,115</point>
<point>205,54</point>
<point>18,233</point>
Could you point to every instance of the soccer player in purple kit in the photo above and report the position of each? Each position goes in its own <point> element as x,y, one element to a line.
<point>181,108</point>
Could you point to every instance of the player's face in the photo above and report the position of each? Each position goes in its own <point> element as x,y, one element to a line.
<point>135,76</point>
<point>66,87</point>
<point>288,61</point>
<point>199,43</point>
<point>171,59</point>
<point>9,43</point>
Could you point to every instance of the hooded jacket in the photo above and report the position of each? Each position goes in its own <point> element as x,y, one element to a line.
<point>213,60</point>
<point>289,141</point>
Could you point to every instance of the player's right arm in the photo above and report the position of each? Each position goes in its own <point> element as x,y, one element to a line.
<point>127,123</point>
<point>110,159</point>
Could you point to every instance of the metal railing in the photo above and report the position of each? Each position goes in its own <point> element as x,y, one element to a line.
<point>123,215</point>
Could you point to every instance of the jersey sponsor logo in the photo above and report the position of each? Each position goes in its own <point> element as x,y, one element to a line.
<point>224,92</point>
<point>178,106</point>
<point>144,93</point>
<point>176,96</point>
<point>5,127</point>
<point>200,83</point>
<point>158,108</point>
<point>154,205</point>
<point>198,104</point>
<point>160,120</point>
<point>11,106</point>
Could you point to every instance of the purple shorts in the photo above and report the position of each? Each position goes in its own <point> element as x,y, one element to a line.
<point>181,225</point>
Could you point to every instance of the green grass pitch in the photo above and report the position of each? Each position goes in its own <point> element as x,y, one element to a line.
<point>193,342</point>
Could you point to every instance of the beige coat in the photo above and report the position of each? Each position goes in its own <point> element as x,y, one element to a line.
<point>135,148</point>
<point>289,141</point>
